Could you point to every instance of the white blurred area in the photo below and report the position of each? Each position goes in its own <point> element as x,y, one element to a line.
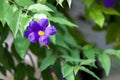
<point>29,59</point>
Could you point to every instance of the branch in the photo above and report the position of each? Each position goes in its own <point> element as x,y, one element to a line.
<point>53,75</point>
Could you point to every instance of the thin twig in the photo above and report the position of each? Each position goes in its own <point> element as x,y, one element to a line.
<point>31,60</point>
<point>53,75</point>
<point>19,6</point>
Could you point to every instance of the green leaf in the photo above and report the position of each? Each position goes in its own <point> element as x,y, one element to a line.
<point>21,45</point>
<point>24,3</point>
<point>49,60</point>
<point>3,10</point>
<point>89,3</point>
<point>15,54</point>
<point>76,69</point>
<point>96,28</point>
<point>60,2</point>
<point>23,70</point>
<point>74,58</point>
<point>97,16</point>
<point>53,39</point>
<point>71,41</point>
<point>67,72</point>
<point>13,19</point>
<point>117,53</point>
<point>87,62</point>
<point>80,40</point>
<point>2,70</point>
<point>6,58</point>
<point>38,51</point>
<point>105,62</point>
<point>69,3</point>
<point>25,19</point>
<point>113,52</point>
<point>70,59</point>
<point>57,69</point>
<point>75,53</point>
<point>89,72</point>
<point>110,51</point>
<point>39,7</point>
<point>2,51</point>
<point>62,21</point>
<point>60,42</point>
<point>70,77</point>
<point>111,37</point>
<point>3,32</point>
<point>109,11</point>
<point>41,1</point>
<point>90,53</point>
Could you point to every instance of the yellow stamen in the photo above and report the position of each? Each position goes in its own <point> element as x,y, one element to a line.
<point>41,33</point>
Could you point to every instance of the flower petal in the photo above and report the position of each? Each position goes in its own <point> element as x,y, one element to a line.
<point>51,30</point>
<point>43,23</point>
<point>27,32</point>
<point>34,26</point>
<point>33,37</point>
<point>109,3</point>
<point>44,40</point>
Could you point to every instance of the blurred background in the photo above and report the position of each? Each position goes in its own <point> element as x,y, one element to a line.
<point>86,29</point>
<point>97,38</point>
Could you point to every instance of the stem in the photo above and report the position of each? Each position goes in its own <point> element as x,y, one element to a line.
<point>53,75</point>
<point>31,60</point>
<point>19,6</point>
<point>47,47</point>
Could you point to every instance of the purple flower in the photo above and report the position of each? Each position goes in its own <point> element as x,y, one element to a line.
<point>39,31</point>
<point>109,3</point>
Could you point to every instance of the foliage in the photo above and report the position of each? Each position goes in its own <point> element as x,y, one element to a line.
<point>68,52</point>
